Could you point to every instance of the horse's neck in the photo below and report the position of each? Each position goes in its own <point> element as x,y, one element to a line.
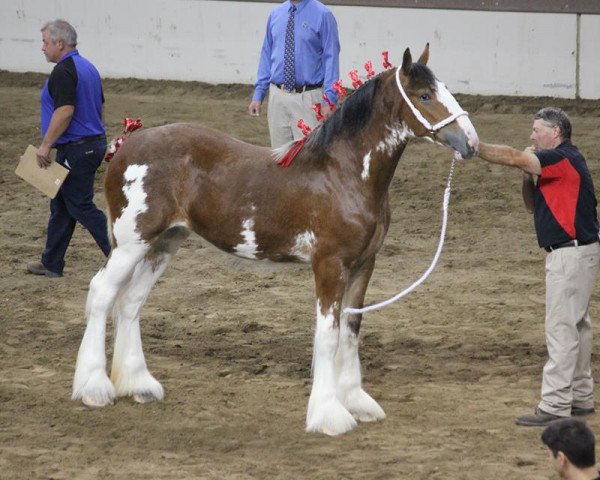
<point>379,151</point>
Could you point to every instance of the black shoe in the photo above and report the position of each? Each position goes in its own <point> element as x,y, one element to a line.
<point>580,412</point>
<point>37,268</point>
<point>538,418</point>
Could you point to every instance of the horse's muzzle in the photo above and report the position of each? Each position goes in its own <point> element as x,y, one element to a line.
<point>459,141</point>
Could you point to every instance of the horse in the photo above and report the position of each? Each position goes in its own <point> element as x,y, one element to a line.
<point>329,208</point>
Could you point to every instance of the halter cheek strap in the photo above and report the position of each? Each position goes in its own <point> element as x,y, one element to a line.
<point>419,116</point>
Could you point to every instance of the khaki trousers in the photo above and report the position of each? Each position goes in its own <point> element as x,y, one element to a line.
<point>567,377</point>
<point>284,111</point>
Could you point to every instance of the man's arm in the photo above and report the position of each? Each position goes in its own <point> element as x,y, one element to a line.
<point>331,60</point>
<point>61,118</point>
<point>505,155</point>
<point>263,75</point>
<point>528,191</point>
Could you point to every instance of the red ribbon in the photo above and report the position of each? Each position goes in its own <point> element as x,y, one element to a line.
<point>130,126</point>
<point>386,64</point>
<point>355,80</point>
<point>304,127</point>
<point>328,102</point>
<point>337,86</point>
<point>294,150</point>
<point>369,69</point>
<point>318,114</point>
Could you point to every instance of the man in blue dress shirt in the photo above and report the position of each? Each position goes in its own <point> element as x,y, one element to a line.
<point>312,67</point>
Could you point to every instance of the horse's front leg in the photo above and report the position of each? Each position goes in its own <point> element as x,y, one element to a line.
<point>326,414</point>
<point>349,384</point>
<point>90,383</point>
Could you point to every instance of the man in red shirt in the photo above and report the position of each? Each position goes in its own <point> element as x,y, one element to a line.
<point>559,190</point>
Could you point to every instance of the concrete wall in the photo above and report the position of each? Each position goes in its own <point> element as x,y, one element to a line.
<point>474,52</point>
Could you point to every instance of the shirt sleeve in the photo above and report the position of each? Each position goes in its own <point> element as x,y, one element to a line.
<point>263,76</point>
<point>331,55</point>
<point>63,85</point>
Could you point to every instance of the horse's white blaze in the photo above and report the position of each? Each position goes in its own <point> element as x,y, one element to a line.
<point>366,163</point>
<point>249,248</point>
<point>124,227</point>
<point>304,245</point>
<point>397,133</point>
<point>447,99</point>
<point>325,413</point>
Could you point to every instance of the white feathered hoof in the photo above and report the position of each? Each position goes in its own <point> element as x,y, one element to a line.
<point>362,406</point>
<point>96,392</point>
<point>328,417</point>
<point>140,385</point>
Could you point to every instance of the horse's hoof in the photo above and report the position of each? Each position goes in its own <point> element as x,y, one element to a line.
<point>145,397</point>
<point>93,403</point>
<point>362,407</point>
<point>331,419</point>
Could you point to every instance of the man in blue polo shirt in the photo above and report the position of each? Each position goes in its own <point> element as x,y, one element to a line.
<point>72,105</point>
<point>558,188</point>
<point>299,62</point>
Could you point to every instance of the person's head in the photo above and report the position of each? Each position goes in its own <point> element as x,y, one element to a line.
<point>58,37</point>
<point>551,126</point>
<point>571,446</point>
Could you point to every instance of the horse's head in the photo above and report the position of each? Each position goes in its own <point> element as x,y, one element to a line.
<point>430,110</point>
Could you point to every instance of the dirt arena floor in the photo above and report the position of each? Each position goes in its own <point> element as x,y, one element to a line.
<point>452,364</point>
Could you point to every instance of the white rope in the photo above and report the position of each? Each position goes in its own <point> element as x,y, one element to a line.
<point>389,301</point>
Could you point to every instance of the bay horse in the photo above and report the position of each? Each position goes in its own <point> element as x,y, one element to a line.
<point>329,208</point>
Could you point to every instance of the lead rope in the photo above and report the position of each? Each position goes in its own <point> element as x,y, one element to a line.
<point>389,301</point>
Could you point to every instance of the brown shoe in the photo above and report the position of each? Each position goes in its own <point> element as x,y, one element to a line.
<point>37,268</point>
<point>538,418</point>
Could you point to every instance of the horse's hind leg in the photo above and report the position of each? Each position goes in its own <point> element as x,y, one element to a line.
<point>349,383</point>
<point>90,383</point>
<point>129,373</point>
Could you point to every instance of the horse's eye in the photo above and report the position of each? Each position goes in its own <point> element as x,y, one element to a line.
<point>425,97</point>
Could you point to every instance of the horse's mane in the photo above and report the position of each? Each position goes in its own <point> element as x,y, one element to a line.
<point>356,111</point>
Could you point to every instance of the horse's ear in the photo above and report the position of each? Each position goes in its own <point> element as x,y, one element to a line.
<point>424,58</point>
<point>406,61</point>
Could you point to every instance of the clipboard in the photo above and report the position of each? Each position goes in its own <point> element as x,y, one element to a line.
<point>47,180</point>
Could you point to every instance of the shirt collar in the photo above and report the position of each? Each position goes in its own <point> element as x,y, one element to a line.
<point>70,53</point>
<point>299,6</point>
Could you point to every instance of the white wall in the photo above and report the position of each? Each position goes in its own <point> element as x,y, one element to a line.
<point>219,42</point>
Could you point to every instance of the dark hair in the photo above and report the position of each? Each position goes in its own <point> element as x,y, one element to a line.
<point>574,438</point>
<point>556,117</point>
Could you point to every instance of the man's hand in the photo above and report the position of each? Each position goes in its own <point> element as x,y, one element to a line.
<point>43,156</point>
<point>254,108</point>
<point>326,111</point>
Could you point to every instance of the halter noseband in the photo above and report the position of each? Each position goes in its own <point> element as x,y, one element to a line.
<point>431,128</point>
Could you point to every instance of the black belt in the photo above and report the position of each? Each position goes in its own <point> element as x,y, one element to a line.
<point>83,140</point>
<point>302,89</point>
<point>570,243</point>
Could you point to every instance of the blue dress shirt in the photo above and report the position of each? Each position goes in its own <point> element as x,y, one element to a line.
<point>317,48</point>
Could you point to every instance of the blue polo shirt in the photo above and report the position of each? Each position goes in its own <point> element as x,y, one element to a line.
<point>565,202</point>
<point>74,81</point>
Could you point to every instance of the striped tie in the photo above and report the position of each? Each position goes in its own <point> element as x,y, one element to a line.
<point>289,73</point>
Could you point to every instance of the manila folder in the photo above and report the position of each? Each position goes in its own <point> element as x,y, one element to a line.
<point>47,180</point>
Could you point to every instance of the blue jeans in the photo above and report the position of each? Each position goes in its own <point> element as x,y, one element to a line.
<point>75,202</point>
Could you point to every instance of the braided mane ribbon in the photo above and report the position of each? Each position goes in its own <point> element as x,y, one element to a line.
<point>294,150</point>
<point>130,126</point>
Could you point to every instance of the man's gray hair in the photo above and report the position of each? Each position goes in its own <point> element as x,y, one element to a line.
<point>556,117</point>
<point>61,30</point>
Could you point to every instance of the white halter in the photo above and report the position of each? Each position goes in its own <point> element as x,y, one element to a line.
<point>419,116</point>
